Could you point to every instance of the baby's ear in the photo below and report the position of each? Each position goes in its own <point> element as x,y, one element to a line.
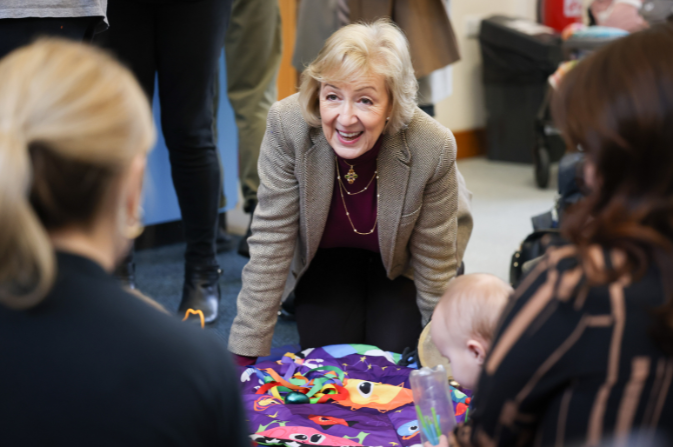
<point>478,350</point>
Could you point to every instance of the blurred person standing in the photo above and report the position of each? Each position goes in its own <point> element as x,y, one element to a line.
<point>432,41</point>
<point>181,42</point>
<point>622,14</point>
<point>316,21</point>
<point>425,23</point>
<point>21,21</point>
<point>83,361</point>
<point>253,49</point>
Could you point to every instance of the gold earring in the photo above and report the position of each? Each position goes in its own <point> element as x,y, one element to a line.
<point>137,228</point>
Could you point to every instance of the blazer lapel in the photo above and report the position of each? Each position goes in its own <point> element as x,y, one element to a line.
<point>319,173</point>
<point>393,167</point>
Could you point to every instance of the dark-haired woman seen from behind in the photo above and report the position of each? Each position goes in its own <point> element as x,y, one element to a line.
<point>83,362</point>
<point>584,353</point>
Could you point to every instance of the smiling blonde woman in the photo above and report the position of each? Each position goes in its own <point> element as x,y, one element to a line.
<point>362,211</point>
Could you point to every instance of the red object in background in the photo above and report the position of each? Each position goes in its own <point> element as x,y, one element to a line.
<point>558,14</point>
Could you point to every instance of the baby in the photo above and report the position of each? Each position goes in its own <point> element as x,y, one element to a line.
<point>464,321</point>
<point>463,325</point>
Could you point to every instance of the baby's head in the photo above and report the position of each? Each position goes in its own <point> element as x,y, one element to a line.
<point>464,321</point>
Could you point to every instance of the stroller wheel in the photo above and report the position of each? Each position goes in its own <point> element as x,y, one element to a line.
<point>542,167</point>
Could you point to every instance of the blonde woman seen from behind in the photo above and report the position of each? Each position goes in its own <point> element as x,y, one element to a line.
<point>82,359</point>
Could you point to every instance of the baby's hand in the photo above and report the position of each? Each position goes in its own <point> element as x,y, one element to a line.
<point>443,442</point>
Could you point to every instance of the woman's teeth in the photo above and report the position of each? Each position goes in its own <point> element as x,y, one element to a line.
<point>349,135</point>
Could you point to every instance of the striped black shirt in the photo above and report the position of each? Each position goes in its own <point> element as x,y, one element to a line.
<point>573,364</point>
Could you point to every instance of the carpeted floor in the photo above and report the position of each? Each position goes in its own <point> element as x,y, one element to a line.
<point>504,199</point>
<point>160,273</point>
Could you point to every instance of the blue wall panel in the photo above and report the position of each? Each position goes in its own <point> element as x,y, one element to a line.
<point>160,202</point>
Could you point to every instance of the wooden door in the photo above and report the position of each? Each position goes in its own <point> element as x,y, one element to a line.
<point>287,75</point>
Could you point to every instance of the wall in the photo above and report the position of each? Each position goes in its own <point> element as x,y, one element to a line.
<point>464,110</point>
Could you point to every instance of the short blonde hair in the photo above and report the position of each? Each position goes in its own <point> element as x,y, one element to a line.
<point>358,50</point>
<point>472,304</point>
<point>65,108</point>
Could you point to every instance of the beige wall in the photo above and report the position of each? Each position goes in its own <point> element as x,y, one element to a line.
<point>464,109</point>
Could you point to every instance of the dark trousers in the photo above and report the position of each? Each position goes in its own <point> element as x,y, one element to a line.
<point>182,43</point>
<point>15,33</point>
<point>345,296</point>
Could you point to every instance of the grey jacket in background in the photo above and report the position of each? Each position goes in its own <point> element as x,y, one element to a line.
<point>21,9</point>
<point>424,220</point>
<point>317,21</point>
<point>425,23</point>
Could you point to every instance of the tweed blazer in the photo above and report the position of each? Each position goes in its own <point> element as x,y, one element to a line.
<point>418,214</point>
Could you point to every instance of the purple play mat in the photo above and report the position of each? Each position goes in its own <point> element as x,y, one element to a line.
<point>362,396</point>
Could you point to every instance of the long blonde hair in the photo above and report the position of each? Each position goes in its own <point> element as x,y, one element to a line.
<point>69,114</point>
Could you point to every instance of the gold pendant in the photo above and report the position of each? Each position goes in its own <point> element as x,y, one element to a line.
<point>351,176</point>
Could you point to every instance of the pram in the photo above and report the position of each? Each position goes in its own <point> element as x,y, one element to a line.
<point>547,137</point>
<point>576,46</point>
<point>570,178</point>
<point>546,225</point>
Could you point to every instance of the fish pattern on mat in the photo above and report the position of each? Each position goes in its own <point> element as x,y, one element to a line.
<point>376,408</point>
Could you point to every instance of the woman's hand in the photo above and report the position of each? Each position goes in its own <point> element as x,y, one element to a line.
<point>452,440</point>
<point>443,442</point>
<point>242,360</point>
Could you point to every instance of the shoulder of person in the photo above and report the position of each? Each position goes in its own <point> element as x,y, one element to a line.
<point>287,112</point>
<point>285,117</point>
<point>558,276</point>
<point>288,104</point>
<point>425,135</point>
<point>432,147</point>
<point>179,363</point>
<point>559,256</point>
<point>167,342</point>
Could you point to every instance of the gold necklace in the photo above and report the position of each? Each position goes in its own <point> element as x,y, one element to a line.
<point>342,187</point>
<point>353,193</point>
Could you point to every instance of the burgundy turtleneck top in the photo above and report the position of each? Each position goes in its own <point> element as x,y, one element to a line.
<point>362,207</point>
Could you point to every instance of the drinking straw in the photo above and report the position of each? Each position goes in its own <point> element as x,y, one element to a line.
<point>435,419</point>
<point>427,427</point>
<point>421,420</point>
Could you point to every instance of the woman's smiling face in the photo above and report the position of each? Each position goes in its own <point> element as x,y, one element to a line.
<point>353,114</point>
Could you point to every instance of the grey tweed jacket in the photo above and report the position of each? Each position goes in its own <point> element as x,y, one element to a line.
<point>419,215</point>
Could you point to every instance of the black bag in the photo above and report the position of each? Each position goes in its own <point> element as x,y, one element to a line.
<point>546,225</point>
<point>532,248</point>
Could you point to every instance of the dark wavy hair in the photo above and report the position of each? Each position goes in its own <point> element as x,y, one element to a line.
<point>617,105</point>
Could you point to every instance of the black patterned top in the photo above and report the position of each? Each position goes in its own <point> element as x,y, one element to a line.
<point>573,364</point>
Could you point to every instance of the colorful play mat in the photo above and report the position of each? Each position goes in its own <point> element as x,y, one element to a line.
<point>339,395</point>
